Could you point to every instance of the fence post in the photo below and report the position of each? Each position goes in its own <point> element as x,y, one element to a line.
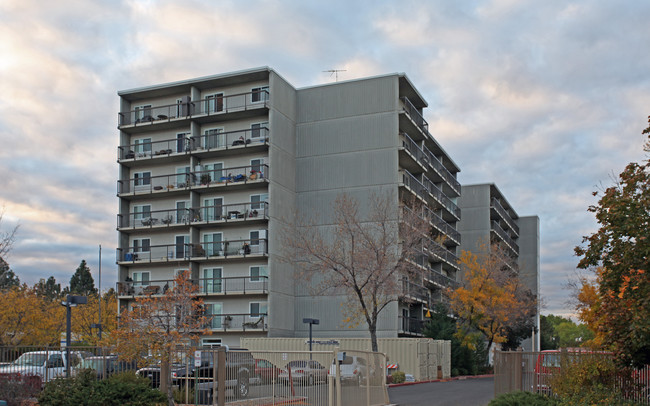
<point>221,376</point>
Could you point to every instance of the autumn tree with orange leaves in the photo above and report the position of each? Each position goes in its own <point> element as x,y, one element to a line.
<point>155,325</point>
<point>364,255</point>
<point>621,251</point>
<point>491,300</point>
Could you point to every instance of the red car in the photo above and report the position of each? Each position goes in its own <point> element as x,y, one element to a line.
<point>266,371</point>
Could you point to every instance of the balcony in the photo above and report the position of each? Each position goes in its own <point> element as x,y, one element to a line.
<point>199,180</point>
<point>452,236</point>
<point>442,172</point>
<point>414,291</point>
<point>239,285</point>
<point>441,198</point>
<point>440,280</point>
<point>229,249</point>
<point>412,157</point>
<point>510,243</point>
<point>503,213</point>
<point>441,254</point>
<point>203,144</point>
<point>209,107</point>
<point>153,254</point>
<point>415,116</point>
<point>237,322</point>
<point>205,215</point>
<point>411,325</point>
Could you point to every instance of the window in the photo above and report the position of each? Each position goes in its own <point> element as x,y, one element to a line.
<point>214,138</point>
<point>183,176</point>
<point>258,309</point>
<point>258,273</point>
<point>212,209</point>
<point>141,245</point>
<point>182,242</point>
<point>182,142</point>
<point>212,244</point>
<point>55,361</point>
<point>214,170</point>
<point>211,342</point>
<point>143,113</point>
<point>257,165</point>
<point>142,178</point>
<point>260,94</point>
<point>141,212</point>
<point>214,103</point>
<point>258,130</point>
<point>258,241</point>
<point>140,278</point>
<point>142,146</point>
<point>213,313</point>
<point>257,201</point>
<point>211,282</point>
<point>182,212</point>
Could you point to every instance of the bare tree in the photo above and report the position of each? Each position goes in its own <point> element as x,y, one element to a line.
<point>157,325</point>
<point>7,238</point>
<point>363,256</point>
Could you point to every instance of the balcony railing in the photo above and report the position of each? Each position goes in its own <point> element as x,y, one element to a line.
<point>414,149</point>
<point>505,215</point>
<point>154,253</point>
<point>231,248</point>
<point>207,286</point>
<point>209,106</point>
<point>441,198</point>
<point>411,325</point>
<point>207,142</point>
<point>441,279</point>
<point>203,214</point>
<point>435,163</point>
<point>415,115</point>
<point>439,223</point>
<point>237,321</point>
<point>415,185</point>
<point>442,254</point>
<point>504,236</point>
<point>208,178</point>
<point>415,291</point>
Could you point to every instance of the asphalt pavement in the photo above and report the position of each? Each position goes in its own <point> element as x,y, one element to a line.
<point>457,392</point>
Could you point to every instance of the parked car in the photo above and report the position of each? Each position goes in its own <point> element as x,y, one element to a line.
<point>303,371</point>
<point>106,365</point>
<point>354,369</point>
<point>265,371</point>
<point>549,363</point>
<point>42,366</point>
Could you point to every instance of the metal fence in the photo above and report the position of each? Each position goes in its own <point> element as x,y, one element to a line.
<point>214,375</point>
<point>535,372</point>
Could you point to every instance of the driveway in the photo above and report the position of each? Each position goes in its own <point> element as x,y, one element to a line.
<point>459,392</point>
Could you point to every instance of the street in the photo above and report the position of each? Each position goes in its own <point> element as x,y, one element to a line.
<point>465,392</point>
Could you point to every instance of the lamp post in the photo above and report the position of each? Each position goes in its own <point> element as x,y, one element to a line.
<point>70,301</point>
<point>311,322</point>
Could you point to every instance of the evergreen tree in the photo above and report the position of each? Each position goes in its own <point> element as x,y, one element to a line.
<point>48,289</point>
<point>8,278</point>
<point>82,282</point>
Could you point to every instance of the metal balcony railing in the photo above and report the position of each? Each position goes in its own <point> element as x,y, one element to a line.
<point>415,291</point>
<point>435,163</point>
<point>148,115</point>
<point>414,149</point>
<point>504,214</point>
<point>146,183</point>
<point>154,253</point>
<point>438,222</point>
<point>441,279</point>
<point>207,142</point>
<point>440,197</point>
<point>414,185</point>
<point>207,286</point>
<point>237,321</point>
<point>231,248</point>
<point>504,236</point>
<point>415,115</point>
<point>411,325</point>
<point>439,252</point>
<point>203,214</point>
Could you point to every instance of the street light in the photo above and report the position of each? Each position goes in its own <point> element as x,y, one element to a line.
<point>70,301</point>
<point>311,322</point>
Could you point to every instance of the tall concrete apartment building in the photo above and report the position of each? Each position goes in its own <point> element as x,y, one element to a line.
<point>489,218</point>
<point>211,169</point>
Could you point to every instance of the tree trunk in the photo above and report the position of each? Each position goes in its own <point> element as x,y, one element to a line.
<point>165,381</point>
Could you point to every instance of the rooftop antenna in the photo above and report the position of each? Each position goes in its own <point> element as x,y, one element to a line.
<point>335,72</point>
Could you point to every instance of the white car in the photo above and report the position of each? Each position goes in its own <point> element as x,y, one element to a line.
<point>305,372</point>
<point>41,365</point>
<point>354,369</point>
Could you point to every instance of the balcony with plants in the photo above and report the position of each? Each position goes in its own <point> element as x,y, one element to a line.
<point>206,144</point>
<point>201,110</point>
<point>236,285</point>
<point>146,184</point>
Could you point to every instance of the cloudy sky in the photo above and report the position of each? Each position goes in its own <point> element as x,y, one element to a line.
<point>545,99</point>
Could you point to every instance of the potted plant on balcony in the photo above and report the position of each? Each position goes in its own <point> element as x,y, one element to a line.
<point>205,179</point>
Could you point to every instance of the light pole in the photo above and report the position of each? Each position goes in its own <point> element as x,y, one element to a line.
<point>311,322</point>
<point>70,301</point>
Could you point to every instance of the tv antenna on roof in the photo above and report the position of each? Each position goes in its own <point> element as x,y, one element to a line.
<point>335,72</point>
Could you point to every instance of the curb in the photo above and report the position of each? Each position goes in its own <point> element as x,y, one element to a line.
<point>455,378</point>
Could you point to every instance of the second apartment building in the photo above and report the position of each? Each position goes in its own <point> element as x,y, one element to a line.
<point>210,170</point>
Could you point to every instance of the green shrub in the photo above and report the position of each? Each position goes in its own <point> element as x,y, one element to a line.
<point>522,399</point>
<point>84,389</point>
<point>398,376</point>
